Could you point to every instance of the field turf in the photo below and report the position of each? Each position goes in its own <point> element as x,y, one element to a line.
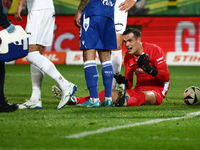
<point>171,126</point>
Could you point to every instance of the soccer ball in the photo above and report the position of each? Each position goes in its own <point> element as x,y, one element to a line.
<point>191,95</point>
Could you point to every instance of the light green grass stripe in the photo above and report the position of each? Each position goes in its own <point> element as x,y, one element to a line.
<point>70,4</point>
<point>158,6</point>
<point>187,3</point>
<point>102,130</point>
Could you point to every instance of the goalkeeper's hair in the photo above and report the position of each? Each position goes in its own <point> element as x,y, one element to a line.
<point>135,31</point>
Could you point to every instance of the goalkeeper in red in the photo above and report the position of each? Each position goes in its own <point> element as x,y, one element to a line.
<point>148,63</point>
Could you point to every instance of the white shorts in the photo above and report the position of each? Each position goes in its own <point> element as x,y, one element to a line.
<point>120,19</point>
<point>40,27</point>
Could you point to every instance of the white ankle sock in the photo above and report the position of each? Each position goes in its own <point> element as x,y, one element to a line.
<point>94,99</point>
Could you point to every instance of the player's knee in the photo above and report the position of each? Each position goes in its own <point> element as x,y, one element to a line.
<point>32,56</point>
<point>150,98</point>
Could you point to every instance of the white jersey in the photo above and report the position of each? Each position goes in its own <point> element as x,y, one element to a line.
<point>39,4</point>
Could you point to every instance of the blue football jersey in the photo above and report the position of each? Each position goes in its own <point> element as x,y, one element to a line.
<point>100,8</point>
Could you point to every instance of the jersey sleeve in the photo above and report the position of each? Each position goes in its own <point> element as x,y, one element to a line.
<point>160,64</point>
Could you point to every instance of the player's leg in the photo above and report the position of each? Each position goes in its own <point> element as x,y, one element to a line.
<point>36,78</point>
<point>120,20</point>
<point>133,97</point>
<point>42,34</point>
<point>93,36</point>
<point>91,77</point>
<point>89,40</point>
<point>46,66</point>
<point>77,100</point>
<point>141,98</point>
<point>4,105</point>
<point>109,42</point>
<point>2,78</point>
<point>116,58</point>
<point>107,74</point>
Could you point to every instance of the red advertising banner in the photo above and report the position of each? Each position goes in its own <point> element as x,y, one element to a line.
<point>66,34</point>
<point>55,57</point>
<point>170,33</point>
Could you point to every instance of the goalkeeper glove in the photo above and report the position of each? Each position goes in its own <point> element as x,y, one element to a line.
<point>143,62</point>
<point>121,79</point>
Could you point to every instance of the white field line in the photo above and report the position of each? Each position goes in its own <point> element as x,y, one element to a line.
<point>75,75</point>
<point>102,130</point>
<point>29,74</point>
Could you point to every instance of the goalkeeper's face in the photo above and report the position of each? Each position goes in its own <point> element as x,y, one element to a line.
<point>132,43</point>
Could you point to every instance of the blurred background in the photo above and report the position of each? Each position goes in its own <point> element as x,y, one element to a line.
<point>174,25</point>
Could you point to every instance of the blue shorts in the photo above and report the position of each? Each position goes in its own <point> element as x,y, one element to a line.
<point>97,32</point>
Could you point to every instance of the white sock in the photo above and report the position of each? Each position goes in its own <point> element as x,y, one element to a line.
<point>116,58</point>
<point>36,78</point>
<point>94,99</point>
<point>106,98</point>
<point>47,67</point>
<point>63,83</point>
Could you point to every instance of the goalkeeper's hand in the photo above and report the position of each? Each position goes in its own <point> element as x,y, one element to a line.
<point>143,62</point>
<point>121,79</point>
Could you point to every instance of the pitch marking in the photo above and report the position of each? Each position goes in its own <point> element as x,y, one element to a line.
<point>102,130</point>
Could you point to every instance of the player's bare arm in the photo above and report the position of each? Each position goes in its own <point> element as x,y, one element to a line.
<point>126,5</point>
<point>19,9</point>
<point>81,7</point>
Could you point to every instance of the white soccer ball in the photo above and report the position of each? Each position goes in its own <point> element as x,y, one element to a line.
<point>191,95</point>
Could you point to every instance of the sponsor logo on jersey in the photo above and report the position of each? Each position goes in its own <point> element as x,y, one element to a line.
<point>139,70</point>
<point>108,3</point>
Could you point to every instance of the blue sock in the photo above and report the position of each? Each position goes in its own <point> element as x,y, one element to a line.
<point>91,77</point>
<point>107,74</point>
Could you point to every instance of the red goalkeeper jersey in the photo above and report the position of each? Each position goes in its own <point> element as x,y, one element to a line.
<point>145,81</point>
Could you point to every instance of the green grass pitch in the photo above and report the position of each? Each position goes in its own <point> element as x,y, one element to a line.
<point>116,128</point>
